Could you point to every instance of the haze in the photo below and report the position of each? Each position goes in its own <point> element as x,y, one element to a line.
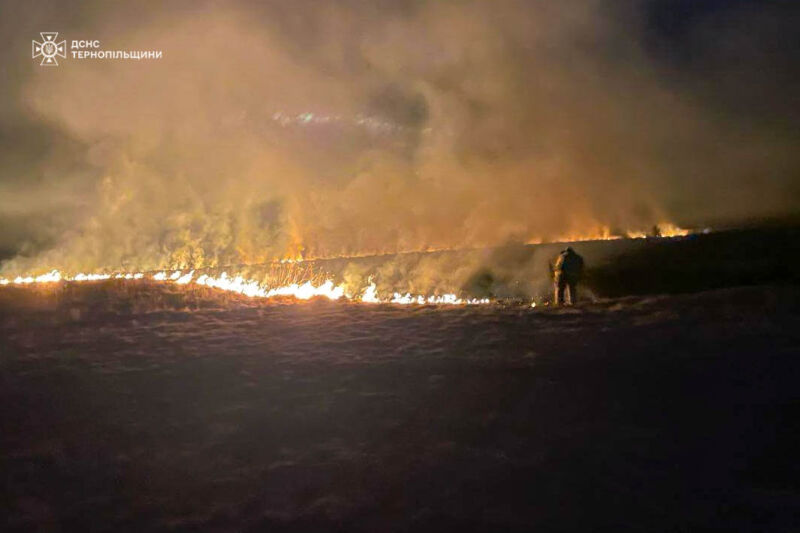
<point>279,128</point>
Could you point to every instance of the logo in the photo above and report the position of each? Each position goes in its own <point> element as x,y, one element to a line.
<point>49,48</point>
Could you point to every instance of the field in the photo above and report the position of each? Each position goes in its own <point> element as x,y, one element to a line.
<point>133,406</point>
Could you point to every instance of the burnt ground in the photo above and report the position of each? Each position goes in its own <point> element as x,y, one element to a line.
<point>146,410</point>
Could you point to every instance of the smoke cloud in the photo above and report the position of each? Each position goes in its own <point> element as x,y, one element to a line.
<point>274,129</point>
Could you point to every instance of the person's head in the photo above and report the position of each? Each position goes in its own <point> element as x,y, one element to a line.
<point>568,250</point>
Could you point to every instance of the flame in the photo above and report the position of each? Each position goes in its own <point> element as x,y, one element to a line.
<point>295,249</point>
<point>129,275</point>
<point>370,294</point>
<point>50,277</point>
<point>319,288</point>
<point>186,278</point>
<point>89,277</point>
<point>247,287</point>
<point>444,299</point>
<point>663,230</point>
<point>237,284</point>
<point>252,288</point>
<point>668,230</point>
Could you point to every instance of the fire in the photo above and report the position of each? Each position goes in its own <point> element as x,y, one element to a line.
<point>292,287</point>
<point>129,275</point>
<point>663,230</point>
<point>444,299</point>
<point>90,277</point>
<point>247,287</point>
<point>670,230</point>
<point>307,290</point>
<point>237,284</point>
<point>370,294</point>
<point>252,288</point>
<point>186,278</point>
<point>50,277</point>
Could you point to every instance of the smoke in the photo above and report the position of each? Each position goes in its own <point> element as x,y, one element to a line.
<point>274,129</point>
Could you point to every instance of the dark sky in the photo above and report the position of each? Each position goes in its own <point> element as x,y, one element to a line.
<point>358,126</point>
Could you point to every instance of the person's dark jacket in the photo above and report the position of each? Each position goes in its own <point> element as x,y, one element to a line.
<point>569,265</point>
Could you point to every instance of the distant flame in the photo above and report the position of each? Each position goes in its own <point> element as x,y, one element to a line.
<point>670,230</point>
<point>664,230</point>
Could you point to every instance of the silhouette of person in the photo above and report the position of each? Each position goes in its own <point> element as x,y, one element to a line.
<point>567,272</point>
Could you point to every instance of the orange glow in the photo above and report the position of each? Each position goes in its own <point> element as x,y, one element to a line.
<point>247,287</point>
<point>665,230</point>
<point>300,287</point>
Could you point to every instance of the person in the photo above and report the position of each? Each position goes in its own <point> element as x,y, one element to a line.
<point>567,272</point>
